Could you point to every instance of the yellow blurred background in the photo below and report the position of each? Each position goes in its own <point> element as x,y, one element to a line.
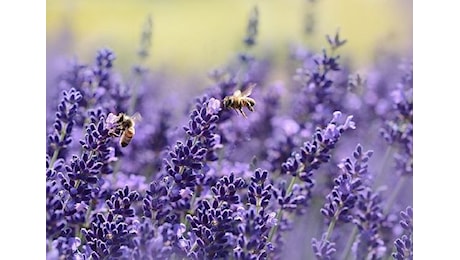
<point>194,36</point>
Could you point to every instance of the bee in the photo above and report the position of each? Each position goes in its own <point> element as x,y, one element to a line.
<point>239,100</point>
<point>123,126</point>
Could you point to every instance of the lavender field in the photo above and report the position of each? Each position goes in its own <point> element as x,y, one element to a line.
<point>319,167</point>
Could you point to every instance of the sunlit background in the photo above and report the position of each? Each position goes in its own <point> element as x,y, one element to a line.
<point>193,37</point>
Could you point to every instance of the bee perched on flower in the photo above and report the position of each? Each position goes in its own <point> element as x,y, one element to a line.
<point>123,126</point>
<point>239,100</point>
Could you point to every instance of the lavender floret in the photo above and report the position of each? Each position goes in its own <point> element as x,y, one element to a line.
<point>121,202</point>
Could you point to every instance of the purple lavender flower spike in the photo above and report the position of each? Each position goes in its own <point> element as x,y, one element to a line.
<point>335,42</point>
<point>342,199</point>
<point>406,219</point>
<point>404,244</point>
<point>369,219</point>
<point>323,249</point>
<point>404,248</point>
<point>105,58</point>
<point>226,188</point>
<point>316,152</point>
<point>97,142</point>
<point>258,194</point>
<point>156,202</point>
<point>257,220</point>
<point>301,165</point>
<point>109,237</point>
<point>252,28</point>
<point>121,202</point>
<point>155,241</point>
<point>63,124</point>
<point>66,247</point>
<point>320,90</point>
<point>55,221</point>
<point>357,166</point>
<point>348,199</point>
<point>398,130</point>
<point>214,227</point>
<point>98,85</point>
<point>187,159</point>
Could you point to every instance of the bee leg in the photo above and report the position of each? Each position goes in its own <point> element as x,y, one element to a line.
<point>113,133</point>
<point>116,132</point>
<point>242,112</point>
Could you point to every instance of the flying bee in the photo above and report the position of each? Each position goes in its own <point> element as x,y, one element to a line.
<point>123,126</point>
<point>239,100</point>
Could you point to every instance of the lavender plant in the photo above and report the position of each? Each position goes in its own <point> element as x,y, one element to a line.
<point>404,246</point>
<point>222,186</point>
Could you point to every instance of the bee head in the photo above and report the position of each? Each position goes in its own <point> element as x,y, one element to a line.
<point>127,123</point>
<point>227,102</point>
<point>121,118</point>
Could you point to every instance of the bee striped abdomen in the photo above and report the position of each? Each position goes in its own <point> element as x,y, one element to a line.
<point>126,137</point>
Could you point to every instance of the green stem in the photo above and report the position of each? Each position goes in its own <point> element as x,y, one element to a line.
<point>381,173</point>
<point>394,194</point>
<point>390,257</point>
<point>194,246</point>
<point>258,205</point>
<point>77,184</point>
<point>279,214</point>
<point>349,244</point>
<point>55,155</point>
<point>58,149</point>
<point>133,98</point>
<point>185,220</point>
<point>135,84</point>
<point>88,214</point>
<point>331,226</point>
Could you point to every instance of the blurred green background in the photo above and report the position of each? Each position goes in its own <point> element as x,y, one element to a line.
<point>194,36</point>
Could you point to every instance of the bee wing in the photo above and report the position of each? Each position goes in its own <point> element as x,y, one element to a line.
<point>248,90</point>
<point>136,117</point>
